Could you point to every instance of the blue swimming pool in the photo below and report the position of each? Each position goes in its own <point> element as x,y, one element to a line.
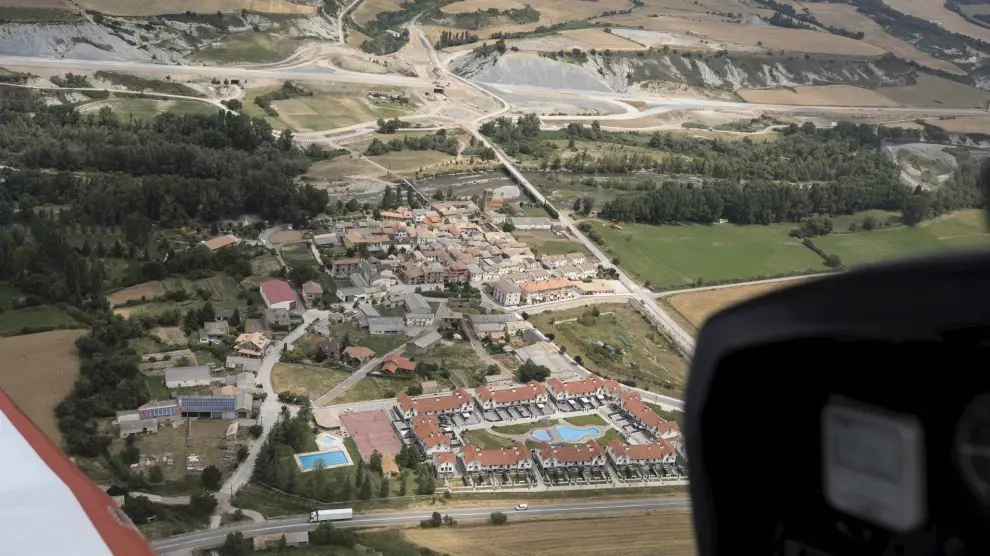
<point>571,434</point>
<point>329,459</point>
<point>566,433</point>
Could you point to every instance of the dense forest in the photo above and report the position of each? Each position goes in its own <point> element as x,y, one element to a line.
<point>64,172</point>
<point>808,171</point>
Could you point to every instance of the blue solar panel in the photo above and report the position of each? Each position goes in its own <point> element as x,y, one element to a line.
<point>208,403</point>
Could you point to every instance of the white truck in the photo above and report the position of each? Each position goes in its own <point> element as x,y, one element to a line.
<point>330,515</point>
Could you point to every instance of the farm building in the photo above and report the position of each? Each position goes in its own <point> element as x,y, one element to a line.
<point>216,407</point>
<point>386,325</point>
<point>524,223</point>
<point>424,342</point>
<point>278,294</point>
<point>312,292</point>
<point>186,377</point>
<point>219,242</point>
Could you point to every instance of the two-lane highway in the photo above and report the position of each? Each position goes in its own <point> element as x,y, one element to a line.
<point>215,537</point>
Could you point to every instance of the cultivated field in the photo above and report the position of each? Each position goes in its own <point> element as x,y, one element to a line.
<point>818,95</point>
<point>697,307</point>
<point>286,236</point>
<point>170,335</point>
<point>963,125</point>
<point>551,11</point>
<point>547,243</point>
<point>221,288</point>
<point>305,379</point>
<point>248,47</point>
<point>159,7</point>
<point>962,229</point>
<point>935,92</point>
<point>774,38</point>
<point>367,10</point>
<point>144,108</point>
<point>411,161</point>
<point>680,255</point>
<point>846,16</point>
<point>38,372</point>
<point>666,533</point>
<point>596,38</point>
<point>325,109</point>
<point>147,290</point>
<point>935,10</point>
<point>648,359</point>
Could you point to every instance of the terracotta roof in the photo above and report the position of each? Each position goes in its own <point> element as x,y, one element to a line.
<point>358,352</point>
<point>218,242</point>
<point>658,450</point>
<point>312,287</point>
<point>491,458</point>
<point>529,391</point>
<point>440,458</point>
<point>445,402</point>
<point>634,405</point>
<point>395,363</point>
<point>389,466</point>
<point>425,428</point>
<point>551,284</point>
<point>581,387</point>
<point>573,453</point>
<point>277,291</point>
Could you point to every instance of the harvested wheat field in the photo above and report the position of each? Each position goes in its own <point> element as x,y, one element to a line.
<point>596,38</point>
<point>773,38</point>
<point>935,10</point>
<point>697,307</point>
<point>466,6</point>
<point>368,9</point>
<point>38,372</point>
<point>962,125</point>
<point>818,95</point>
<point>36,4</point>
<point>846,16</point>
<point>935,92</point>
<point>666,533</point>
<point>147,290</point>
<point>159,7</point>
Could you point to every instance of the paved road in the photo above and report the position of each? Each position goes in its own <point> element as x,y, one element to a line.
<point>357,375</point>
<point>215,537</point>
<point>669,293</point>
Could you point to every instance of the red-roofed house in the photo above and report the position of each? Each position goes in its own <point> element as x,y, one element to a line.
<point>458,401</point>
<point>429,435</point>
<point>573,389</point>
<point>395,364</point>
<point>278,294</point>
<point>659,453</point>
<point>516,458</point>
<point>633,406</point>
<point>445,463</point>
<point>533,392</point>
<point>588,454</point>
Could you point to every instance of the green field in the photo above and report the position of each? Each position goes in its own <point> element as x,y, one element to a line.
<point>145,108</point>
<point>38,15</point>
<point>248,47</point>
<point>486,440</point>
<point>681,255</point>
<point>39,316</point>
<point>375,388</point>
<point>962,229</point>
<point>324,110</point>
<point>543,242</point>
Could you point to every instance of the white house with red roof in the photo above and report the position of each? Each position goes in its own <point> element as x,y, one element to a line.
<point>278,294</point>
<point>532,392</point>
<point>587,387</point>
<point>632,405</point>
<point>478,460</point>
<point>659,453</point>
<point>587,454</point>
<point>445,463</point>
<point>428,433</point>
<point>458,401</point>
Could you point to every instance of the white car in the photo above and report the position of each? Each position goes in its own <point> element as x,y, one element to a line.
<point>522,507</point>
<point>349,410</point>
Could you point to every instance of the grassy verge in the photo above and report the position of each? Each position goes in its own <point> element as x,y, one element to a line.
<point>486,440</point>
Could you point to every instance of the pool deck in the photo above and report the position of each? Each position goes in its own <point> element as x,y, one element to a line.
<point>325,448</point>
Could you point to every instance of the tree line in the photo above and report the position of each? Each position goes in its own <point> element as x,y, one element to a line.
<point>439,141</point>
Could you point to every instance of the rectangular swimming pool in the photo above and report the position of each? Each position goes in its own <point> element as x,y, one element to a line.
<point>328,459</point>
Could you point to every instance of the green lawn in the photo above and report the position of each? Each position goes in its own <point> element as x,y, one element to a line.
<point>486,440</point>
<point>547,243</point>
<point>383,343</point>
<point>30,317</point>
<point>524,428</point>
<point>680,255</point>
<point>962,229</point>
<point>374,388</point>
<point>610,435</point>
<point>145,108</point>
<point>586,420</point>
<point>156,388</point>
<point>248,47</point>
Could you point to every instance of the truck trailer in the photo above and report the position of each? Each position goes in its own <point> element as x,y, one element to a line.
<point>330,515</point>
